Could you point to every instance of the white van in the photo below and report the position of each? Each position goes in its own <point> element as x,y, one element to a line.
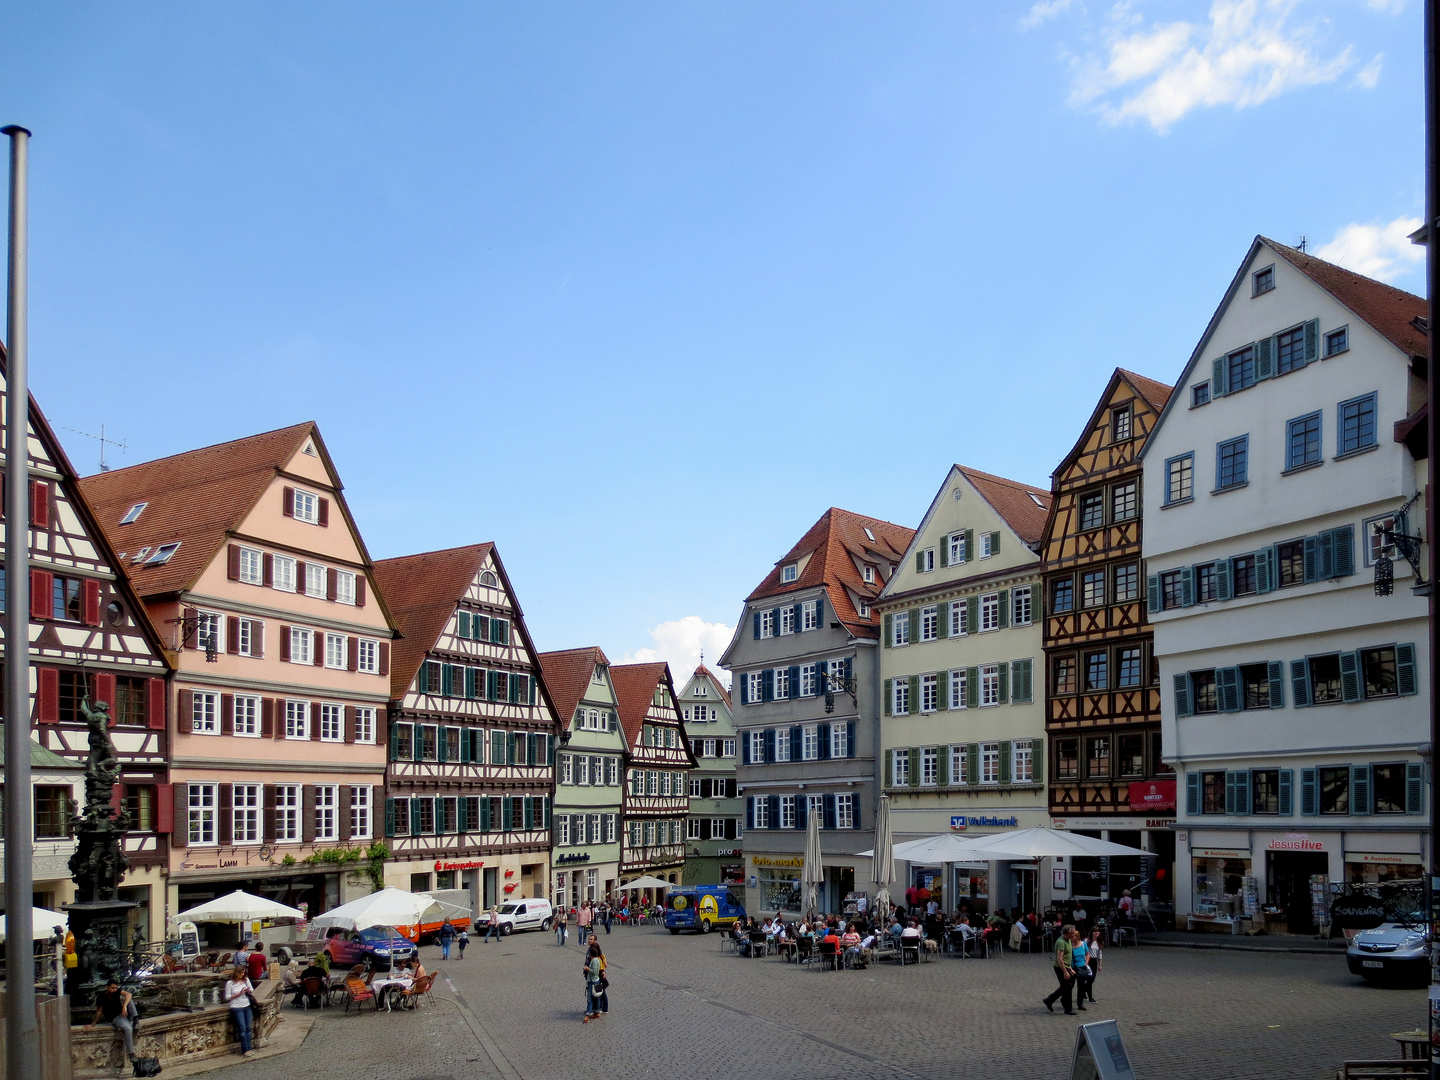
<point>526,913</point>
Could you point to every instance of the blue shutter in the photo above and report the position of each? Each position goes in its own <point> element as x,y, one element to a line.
<point>1229,791</point>
<point>1183,706</point>
<point>1287,796</point>
<point>797,742</point>
<point>1300,683</point>
<point>802,812</point>
<point>1227,689</point>
<point>850,738</point>
<point>769,745</point>
<point>1187,586</point>
<point>394,742</point>
<point>1308,793</point>
<point>1312,339</point>
<point>1264,359</point>
<point>1312,559</point>
<point>1326,543</point>
<point>745,748</point>
<point>1192,794</point>
<point>767,685</point>
<point>1360,789</point>
<point>1265,570</point>
<point>1414,788</point>
<point>774,811</point>
<point>749,812</point>
<point>1242,791</point>
<point>1220,377</point>
<point>824,742</point>
<point>1406,682</point>
<point>820,612</point>
<point>1350,690</point>
<point>1275,673</point>
<point>1152,588</point>
<point>744,688</point>
<point>1222,580</point>
<point>757,626</point>
<point>795,678</point>
<point>829,822</point>
<point>1344,544</point>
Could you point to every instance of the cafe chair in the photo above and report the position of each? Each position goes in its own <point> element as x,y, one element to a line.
<point>758,945</point>
<point>829,955</point>
<point>357,992</point>
<point>804,950</point>
<point>313,993</point>
<point>909,947</point>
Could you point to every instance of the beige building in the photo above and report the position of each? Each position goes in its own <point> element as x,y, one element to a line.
<point>254,573</point>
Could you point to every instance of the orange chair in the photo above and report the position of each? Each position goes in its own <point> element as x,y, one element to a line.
<point>416,990</point>
<point>357,991</point>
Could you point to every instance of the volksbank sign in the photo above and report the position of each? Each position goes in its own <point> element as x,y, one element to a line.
<point>965,821</point>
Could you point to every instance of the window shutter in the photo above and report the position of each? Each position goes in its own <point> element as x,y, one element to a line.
<point>769,744</point>
<point>889,633</point>
<point>47,694</point>
<point>389,817</point>
<point>510,748</point>
<point>749,812</point>
<point>1219,377</point>
<point>324,513</point>
<point>1312,339</point>
<point>889,777</point>
<point>1360,789</point>
<point>42,600</point>
<point>463,624</point>
<point>394,742</point>
<point>1275,674</point>
<point>342,812</point>
<point>227,714</point>
<point>824,742</point>
<point>972,763</point>
<point>287,500</point>
<point>1326,546</point>
<point>360,597</point>
<point>1227,686</point>
<point>1004,606</point>
<point>745,748</point>
<point>744,681</point>
<point>767,685</point>
<point>485,815</point>
<point>799,617</point>
<point>1192,794</point>
<point>1182,694</point>
<point>332,585</point>
<point>1004,684</point>
<point>995,542</point>
<point>447,681</point>
<point>352,654</point>
<point>1264,359</point>
<point>1187,586</point>
<point>802,812</point>
<point>914,682</point>
<point>1242,792</point>
<point>1350,676</point>
<point>1152,589</point>
<point>969,545</point>
<point>1222,579</point>
<point>1229,791</point>
<point>914,766</point>
<point>774,811</point>
<point>1005,773</point>
<point>914,616</point>
<point>179,815</point>
<point>348,731</point>
<point>267,718</point>
<point>284,642</point>
<point>91,602</point>
<point>1022,680</point>
<point>185,712</point>
<point>1037,761</point>
<point>384,658</point>
<point>919,562</point>
<point>307,813</point>
<point>944,552</point>
<point>942,773</point>
<point>829,821</point>
<point>1286,800</point>
<point>820,612</point>
<point>757,625</point>
<point>39,504</point>
<point>942,690</point>
<point>1312,559</point>
<point>317,648</point>
<point>155,704</point>
<point>972,688</point>
<point>1300,683</point>
<point>795,678</point>
<point>972,614</point>
<point>1307,793</point>
<point>232,634</point>
<point>942,619</point>
<point>1406,682</point>
<point>850,738</point>
<point>1344,550</point>
<point>1414,788</point>
<point>268,569</point>
<point>1266,577</point>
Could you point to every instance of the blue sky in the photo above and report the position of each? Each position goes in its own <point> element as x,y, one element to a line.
<point>638,290</point>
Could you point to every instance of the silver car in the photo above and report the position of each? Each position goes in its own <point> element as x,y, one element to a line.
<point>1398,950</point>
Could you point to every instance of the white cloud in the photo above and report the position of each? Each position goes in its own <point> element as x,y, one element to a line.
<point>1392,6</point>
<point>1369,75</point>
<point>1379,251</point>
<point>1247,52</point>
<point>680,641</point>
<point>1045,10</point>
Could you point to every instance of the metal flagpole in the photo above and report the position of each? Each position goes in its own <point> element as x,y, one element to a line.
<point>22,1056</point>
<point>1432,288</point>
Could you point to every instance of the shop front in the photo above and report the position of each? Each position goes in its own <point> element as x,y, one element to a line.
<point>298,887</point>
<point>776,883</point>
<point>491,880</point>
<point>1218,877</point>
<point>1379,867</point>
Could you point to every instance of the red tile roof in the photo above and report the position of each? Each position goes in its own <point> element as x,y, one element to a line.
<point>634,690</point>
<point>422,591</point>
<point>195,498</point>
<point>1013,502</point>
<point>568,673</point>
<point>831,542</point>
<point>1391,312</point>
<point>715,681</point>
<point>1155,393</point>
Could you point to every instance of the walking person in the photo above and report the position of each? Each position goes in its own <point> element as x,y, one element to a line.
<point>583,919</point>
<point>462,939</point>
<point>494,930</point>
<point>118,1009</point>
<point>605,914</point>
<point>237,992</point>
<point>597,1000</point>
<point>561,924</point>
<point>1079,960</point>
<point>447,937</point>
<point>1093,956</point>
<point>1064,972</point>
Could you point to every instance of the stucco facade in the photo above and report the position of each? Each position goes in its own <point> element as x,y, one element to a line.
<point>715,830</point>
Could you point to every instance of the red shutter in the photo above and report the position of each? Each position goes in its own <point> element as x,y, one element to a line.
<point>307,813</point>
<point>232,634</point>
<point>47,707</point>
<point>317,647</point>
<point>117,798</point>
<point>342,811</point>
<point>384,658</point>
<point>350,723</point>
<point>352,649</point>
<point>267,722</point>
<point>224,816</point>
<point>332,582</point>
<point>267,813</point>
<point>314,709</point>
<point>192,636</point>
<point>232,562</point>
<point>324,516</point>
<point>359,590</point>
<point>284,642</point>
<point>257,638</point>
<point>269,561</point>
<point>300,578</point>
<point>39,504</point>
<point>382,728</point>
<point>42,598</point>
<point>155,704</point>
<point>277,706</point>
<point>180,830</point>
<point>165,808</point>
<point>289,501</point>
<point>185,712</point>
<point>227,714</point>
<point>105,691</point>
<point>90,590</point>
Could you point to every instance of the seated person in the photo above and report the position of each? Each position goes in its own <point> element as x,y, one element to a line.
<point>314,971</point>
<point>896,931</point>
<point>831,937</point>
<point>910,936</point>
<point>850,944</point>
<point>290,975</point>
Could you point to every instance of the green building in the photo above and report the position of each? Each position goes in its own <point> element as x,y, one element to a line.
<point>715,828</point>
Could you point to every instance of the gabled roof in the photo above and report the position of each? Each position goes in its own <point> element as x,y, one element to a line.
<point>422,592</point>
<point>701,671</point>
<point>1013,501</point>
<point>1389,311</point>
<point>1155,394</point>
<point>568,673</point>
<point>634,688</point>
<point>830,543</point>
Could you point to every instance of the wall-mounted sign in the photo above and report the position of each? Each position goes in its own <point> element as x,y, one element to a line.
<point>1148,795</point>
<point>1296,843</point>
<point>1060,879</point>
<point>474,864</point>
<point>967,821</point>
<point>1220,853</point>
<point>1383,857</point>
<point>765,860</point>
<point>573,857</point>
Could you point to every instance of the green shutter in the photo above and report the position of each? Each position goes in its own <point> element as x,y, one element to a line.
<point>995,542</point>
<point>1004,606</point>
<point>1022,681</point>
<point>1219,381</point>
<point>944,552</point>
<point>888,698</point>
<point>914,695</point>
<point>942,772</point>
<point>914,616</point>
<point>972,688</point>
<point>1004,762</point>
<point>1264,359</point>
<point>1004,698</point>
<point>972,614</point>
<point>942,619</point>
<point>1312,339</point>
<point>969,545</point>
<point>1414,788</point>
<point>972,763</point>
<point>889,629</point>
<point>463,624</point>
<point>942,690</point>
<point>919,562</point>
<point>888,780</point>
<point>1406,682</point>
<point>1037,760</point>
<point>915,766</point>
<point>447,680</point>
<point>1182,694</point>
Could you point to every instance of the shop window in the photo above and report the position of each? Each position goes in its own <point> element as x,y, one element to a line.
<point>1256,680</point>
<point>1265,791</point>
<point>1335,790</point>
<point>1290,560</point>
<point>1325,679</point>
<point>1212,788</point>
<point>1067,759</point>
<point>1130,758</point>
<point>1203,684</point>
<point>1097,758</point>
<point>1064,672</point>
<point>1379,668</point>
<point>1387,784</point>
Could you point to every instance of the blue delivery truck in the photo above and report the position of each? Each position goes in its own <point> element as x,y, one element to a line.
<point>702,908</point>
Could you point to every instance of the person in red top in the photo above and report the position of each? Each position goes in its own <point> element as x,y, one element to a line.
<point>258,963</point>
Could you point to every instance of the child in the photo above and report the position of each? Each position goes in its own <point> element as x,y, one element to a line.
<point>462,941</point>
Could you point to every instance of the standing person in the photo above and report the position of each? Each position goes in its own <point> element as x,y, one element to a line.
<point>597,1000</point>
<point>118,1009</point>
<point>447,936</point>
<point>561,924</point>
<point>1064,972</point>
<point>494,930</point>
<point>237,992</point>
<point>1079,960</point>
<point>1094,956</point>
<point>583,919</point>
<point>462,939</point>
<point>605,914</point>
<point>257,965</point>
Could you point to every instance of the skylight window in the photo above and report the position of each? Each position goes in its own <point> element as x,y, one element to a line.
<point>1036,500</point>
<point>140,555</point>
<point>133,514</point>
<point>869,532</point>
<point>163,554</point>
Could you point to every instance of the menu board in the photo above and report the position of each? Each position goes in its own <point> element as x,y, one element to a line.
<point>1100,1053</point>
<point>189,939</point>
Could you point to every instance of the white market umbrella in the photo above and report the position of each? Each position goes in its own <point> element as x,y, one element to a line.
<point>388,907</point>
<point>238,906</point>
<point>1042,844</point>
<point>813,874</point>
<point>882,859</point>
<point>943,848</point>
<point>444,909</point>
<point>42,924</point>
<point>646,882</point>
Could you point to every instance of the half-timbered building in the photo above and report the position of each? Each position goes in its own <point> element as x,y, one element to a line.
<point>254,572</point>
<point>90,639</point>
<point>657,792</point>
<point>1102,707</point>
<point>589,773</point>
<point>472,731</point>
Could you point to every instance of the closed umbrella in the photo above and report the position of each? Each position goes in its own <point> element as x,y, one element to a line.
<point>882,860</point>
<point>814,872</point>
<point>42,923</point>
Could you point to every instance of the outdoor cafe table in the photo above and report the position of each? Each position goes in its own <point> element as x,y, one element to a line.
<point>385,989</point>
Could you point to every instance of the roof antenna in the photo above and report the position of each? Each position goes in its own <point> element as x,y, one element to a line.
<point>103,441</point>
<point>1303,241</point>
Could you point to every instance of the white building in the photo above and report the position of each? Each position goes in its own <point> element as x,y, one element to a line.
<point>1295,698</point>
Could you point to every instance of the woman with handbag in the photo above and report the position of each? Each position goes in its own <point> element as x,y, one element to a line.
<point>597,1001</point>
<point>237,991</point>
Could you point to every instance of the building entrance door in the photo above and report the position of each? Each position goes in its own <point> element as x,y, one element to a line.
<point>491,887</point>
<point>1287,883</point>
<point>1025,878</point>
<point>470,882</point>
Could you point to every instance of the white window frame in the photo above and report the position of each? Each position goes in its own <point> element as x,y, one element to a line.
<point>567,769</point>
<point>327,812</point>
<point>990,763</point>
<point>344,586</point>
<point>930,623</point>
<point>332,722</point>
<point>756,695</point>
<point>362,809</point>
<point>247,716</point>
<point>562,835</point>
<point>929,766</point>
<point>957,548</point>
<point>839,740</point>
<point>787,812</point>
<point>729,748</point>
<point>989,685</point>
<point>207,628</point>
<point>297,719</point>
<point>252,566</point>
<point>927,561</point>
<point>787,621</point>
<point>302,641</point>
<point>612,771</point>
<point>845,811</point>
<point>202,807</point>
<point>958,680</point>
<point>900,630</point>
<point>287,813</point>
<point>789,572</point>
<point>767,623</point>
<point>1022,761</point>
<point>959,619</point>
<point>810,742</point>
<point>757,747</point>
<point>929,693</point>
<point>246,802</point>
<point>609,822</point>
<point>582,771</point>
<point>205,712</point>
<point>692,828</point>
<point>989,612</point>
<point>367,656</point>
<point>985,545</point>
<point>900,768</point>
<point>958,763</point>
<point>809,616</point>
<point>335,647</point>
<point>306,505</point>
<point>317,580</point>
<point>245,637</point>
<point>900,696</point>
<point>762,812</point>
<point>282,573</point>
<point>782,682</point>
<point>1022,596</point>
<point>365,724</point>
<point>694,787</point>
<point>782,744</point>
<point>807,680</point>
<point>867,574</point>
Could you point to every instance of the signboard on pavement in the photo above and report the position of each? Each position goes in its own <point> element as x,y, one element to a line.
<point>1100,1053</point>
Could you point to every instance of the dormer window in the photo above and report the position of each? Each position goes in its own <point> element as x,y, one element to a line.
<point>868,573</point>
<point>133,514</point>
<point>140,555</point>
<point>599,675</point>
<point>864,610</point>
<point>163,554</point>
<point>1262,281</point>
<point>789,573</point>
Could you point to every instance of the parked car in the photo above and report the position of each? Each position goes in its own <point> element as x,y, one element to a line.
<point>381,945</point>
<point>1397,950</point>
<point>527,913</point>
<point>702,908</point>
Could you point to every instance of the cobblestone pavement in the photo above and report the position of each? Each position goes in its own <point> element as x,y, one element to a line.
<point>681,1008</point>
